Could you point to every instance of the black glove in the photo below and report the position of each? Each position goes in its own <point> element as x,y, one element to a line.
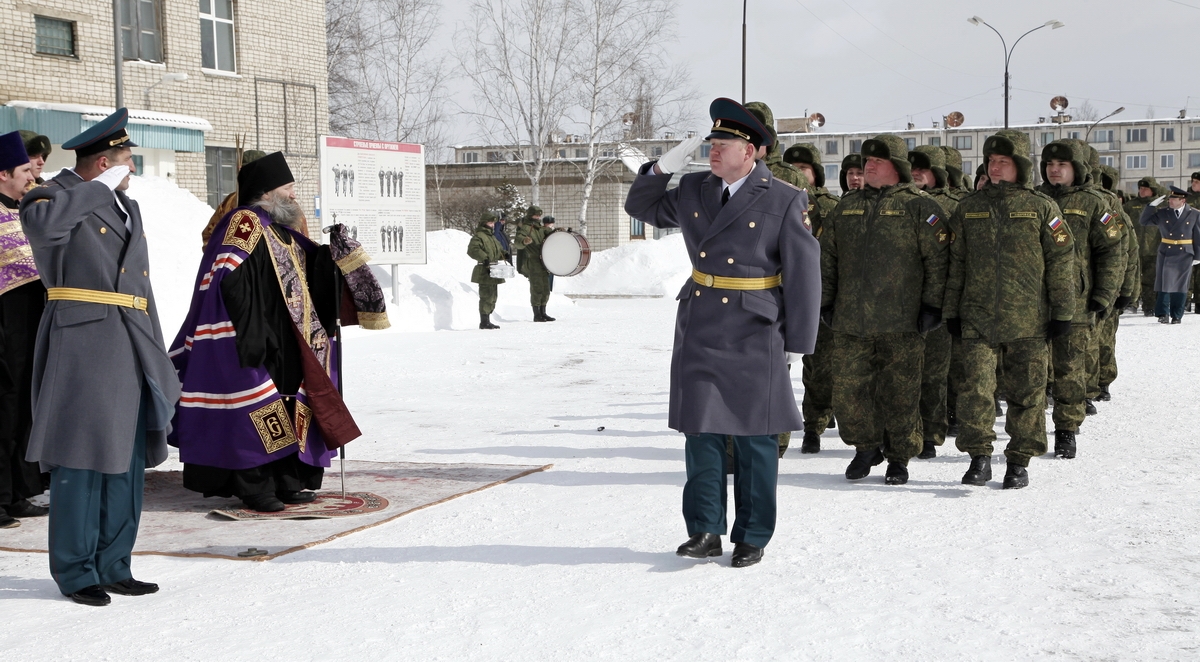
<point>954,326</point>
<point>827,316</point>
<point>1094,306</point>
<point>1058,328</point>
<point>1121,302</point>
<point>928,319</point>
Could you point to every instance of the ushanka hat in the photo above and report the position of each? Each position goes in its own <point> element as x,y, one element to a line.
<point>36,145</point>
<point>262,175</point>
<point>12,151</point>
<point>893,148</point>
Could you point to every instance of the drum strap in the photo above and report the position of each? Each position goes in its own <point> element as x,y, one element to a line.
<point>730,283</point>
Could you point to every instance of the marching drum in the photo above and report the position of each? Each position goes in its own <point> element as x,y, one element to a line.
<point>566,253</point>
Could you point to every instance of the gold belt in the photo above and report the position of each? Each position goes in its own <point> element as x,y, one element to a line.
<point>729,283</point>
<point>1178,242</point>
<point>96,296</point>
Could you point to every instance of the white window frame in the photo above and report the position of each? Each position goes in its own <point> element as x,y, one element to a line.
<point>1108,161</point>
<point>1166,161</point>
<point>1166,134</point>
<point>1136,136</point>
<point>1103,136</point>
<point>1135,161</point>
<point>1194,160</point>
<point>231,22</point>
<point>962,142</point>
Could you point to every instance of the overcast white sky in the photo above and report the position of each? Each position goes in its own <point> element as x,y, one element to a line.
<point>874,64</point>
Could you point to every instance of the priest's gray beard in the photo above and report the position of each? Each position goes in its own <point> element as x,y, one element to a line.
<point>283,209</point>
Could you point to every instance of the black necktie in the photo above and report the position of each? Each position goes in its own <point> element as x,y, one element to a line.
<point>725,196</point>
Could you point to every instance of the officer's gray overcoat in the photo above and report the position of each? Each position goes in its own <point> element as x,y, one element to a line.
<point>1174,265</point>
<point>92,359</point>
<point>729,370</point>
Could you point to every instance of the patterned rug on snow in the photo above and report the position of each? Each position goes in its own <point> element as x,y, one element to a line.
<point>177,522</point>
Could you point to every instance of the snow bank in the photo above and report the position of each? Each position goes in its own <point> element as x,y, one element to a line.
<point>641,268</point>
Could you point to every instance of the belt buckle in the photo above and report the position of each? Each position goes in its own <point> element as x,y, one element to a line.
<point>140,303</point>
<point>708,280</point>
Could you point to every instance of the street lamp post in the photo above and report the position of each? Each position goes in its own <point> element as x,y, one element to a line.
<point>975,20</point>
<point>1089,131</point>
<point>166,78</point>
<point>744,3</point>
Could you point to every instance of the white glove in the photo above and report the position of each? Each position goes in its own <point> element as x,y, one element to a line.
<point>1195,262</point>
<point>792,357</point>
<point>1158,201</point>
<point>113,177</point>
<point>678,157</point>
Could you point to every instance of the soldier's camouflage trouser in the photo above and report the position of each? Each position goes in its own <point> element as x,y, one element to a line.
<point>539,288</point>
<point>1148,266</point>
<point>488,292</point>
<point>1108,349</point>
<point>877,392</point>
<point>1092,357</point>
<point>934,375</point>
<point>1023,382</point>
<point>1068,357</point>
<point>817,376</point>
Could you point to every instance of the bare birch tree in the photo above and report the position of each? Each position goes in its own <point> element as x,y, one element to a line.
<point>517,56</point>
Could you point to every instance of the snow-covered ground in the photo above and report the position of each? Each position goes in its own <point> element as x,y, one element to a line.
<point>1096,560</point>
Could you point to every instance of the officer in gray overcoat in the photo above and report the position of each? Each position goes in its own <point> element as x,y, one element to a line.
<point>1179,225</point>
<point>104,390</point>
<point>753,296</point>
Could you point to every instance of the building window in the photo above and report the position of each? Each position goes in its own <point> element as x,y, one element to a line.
<point>1166,161</point>
<point>855,146</point>
<point>1073,135</point>
<point>1103,136</point>
<point>608,153</point>
<point>831,146</point>
<point>1135,136</point>
<point>637,229</point>
<point>1110,161</point>
<point>216,35</point>
<point>831,173</point>
<point>1136,162</point>
<point>495,157</point>
<point>1047,137</point>
<point>911,143</point>
<point>1194,160</point>
<point>1195,132</point>
<point>221,172</point>
<point>656,151</point>
<point>968,168</point>
<point>1167,135</point>
<point>705,150</point>
<point>54,37</point>
<point>141,30</point>
<point>470,157</point>
<point>936,141</point>
<point>580,153</point>
<point>962,142</point>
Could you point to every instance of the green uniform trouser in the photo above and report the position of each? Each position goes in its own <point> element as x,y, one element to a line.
<point>1107,332</point>
<point>1023,382</point>
<point>817,376</point>
<point>1070,376</point>
<point>934,375</point>
<point>1148,297</point>
<point>539,288</point>
<point>877,392</point>
<point>1091,359</point>
<point>488,292</point>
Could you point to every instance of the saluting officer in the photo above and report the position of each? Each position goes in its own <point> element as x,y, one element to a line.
<point>1179,226</point>
<point>104,390</point>
<point>1148,190</point>
<point>753,296</point>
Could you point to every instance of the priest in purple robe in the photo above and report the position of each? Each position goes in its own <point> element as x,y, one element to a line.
<point>261,415</point>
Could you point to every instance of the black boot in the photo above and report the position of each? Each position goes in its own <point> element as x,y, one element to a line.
<point>897,474</point>
<point>537,314</point>
<point>980,472</point>
<point>951,423</point>
<point>1016,477</point>
<point>860,466</point>
<point>1088,407</point>
<point>928,451</point>
<point>811,443</point>
<point>1064,444</point>
<point>832,423</point>
<point>485,321</point>
<point>701,546</point>
<point>1105,396</point>
<point>745,554</point>
<point>545,317</point>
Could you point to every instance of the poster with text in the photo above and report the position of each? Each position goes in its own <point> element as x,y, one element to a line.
<point>377,190</point>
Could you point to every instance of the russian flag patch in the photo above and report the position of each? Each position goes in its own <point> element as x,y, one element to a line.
<point>932,220</point>
<point>1055,223</point>
<point>1105,219</point>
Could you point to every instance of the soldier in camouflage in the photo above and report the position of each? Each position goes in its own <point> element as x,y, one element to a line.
<point>851,175</point>
<point>1148,238</point>
<point>929,174</point>
<point>1100,264</point>
<point>883,275</point>
<point>817,405</point>
<point>486,250</point>
<point>1011,287</point>
<point>772,155</point>
<point>532,217</point>
<point>1130,288</point>
<point>530,236</point>
<point>954,172</point>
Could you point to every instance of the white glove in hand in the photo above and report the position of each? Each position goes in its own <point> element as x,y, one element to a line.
<point>113,177</point>
<point>1195,262</point>
<point>679,156</point>
<point>792,357</point>
<point>1158,201</point>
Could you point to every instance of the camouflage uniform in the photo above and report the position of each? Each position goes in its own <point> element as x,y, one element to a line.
<point>1012,269</point>
<point>1148,240</point>
<point>936,368</point>
<point>485,249</point>
<point>774,157</point>
<point>1130,288</point>
<point>532,211</point>
<point>954,172</point>
<point>817,406</point>
<point>530,237</point>
<point>883,268</point>
<point>851,161</point>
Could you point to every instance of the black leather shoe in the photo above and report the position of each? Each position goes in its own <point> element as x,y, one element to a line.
<point>131,586</point>
<point>1064,444</point>
<point>860,466</point>
<point>8,521</point>
<point>811,443</point>
<point>897,474</point>
<point>980,472</point>
<point>1089,408</point>
<point>296,497</point>
<point>92,596</point>
<point>263,503</point>
<point>745,554</point>
<point>1163,319</point>
<point>928,451</point>
<point>24,508</point>
<point>1105,396</point>
<point>701,546</point>
<point>1016,477</point>
<point>1176,320</point>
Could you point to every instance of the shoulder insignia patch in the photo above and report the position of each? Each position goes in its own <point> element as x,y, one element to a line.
<point>943,237</point>
<point>244,231</point>
<point>953,236</point>
<point>819,231</point>
<point>932,220</point>
<point>1022,214</point>
<point>807,222</point>
<point>978,214</point>
<point>1061,239</point>
<point>1105,218</point>
<point>1113,233</point>
<point>1055,223</point>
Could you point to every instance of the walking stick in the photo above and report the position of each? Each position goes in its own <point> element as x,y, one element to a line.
<point>337,336</point>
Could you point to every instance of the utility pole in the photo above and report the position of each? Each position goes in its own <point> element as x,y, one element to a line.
<point>975,20</point>
<point>117,56</point>
<point>744,3</point>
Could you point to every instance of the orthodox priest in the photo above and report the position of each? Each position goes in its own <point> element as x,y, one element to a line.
<point>260,416</point>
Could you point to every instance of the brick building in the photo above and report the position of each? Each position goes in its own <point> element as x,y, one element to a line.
<point>253,69</point>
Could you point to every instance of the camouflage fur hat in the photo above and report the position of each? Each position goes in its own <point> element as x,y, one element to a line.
<point>851,161</point>
<point>250,155</point>
<point>1109,177</point>
<point>1071,151</point>
<point>930,157</point>
<point>763,113</point>
<point>533,210</point>
<point>1015,145</point>
<point>1196,175</point>
<point>486,217</point>
<point>35,144</point>
<point>893,148</point>
<point>809,154</point>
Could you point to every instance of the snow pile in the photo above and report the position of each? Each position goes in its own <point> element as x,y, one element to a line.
<point>641,268</point>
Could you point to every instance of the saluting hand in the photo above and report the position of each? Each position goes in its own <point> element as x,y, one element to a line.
<point>113,177</point>
<point>678,157</point>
